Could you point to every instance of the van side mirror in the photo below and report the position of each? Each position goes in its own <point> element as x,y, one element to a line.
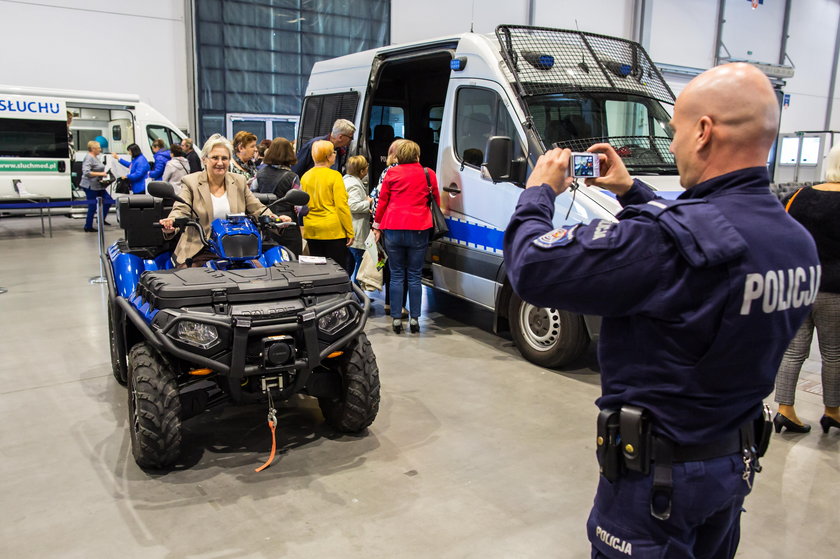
<point>499,164</point>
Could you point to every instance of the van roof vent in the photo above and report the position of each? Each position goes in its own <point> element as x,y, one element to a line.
<point>545,60</point>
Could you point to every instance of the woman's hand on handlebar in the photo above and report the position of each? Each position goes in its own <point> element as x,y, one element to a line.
<point>168,225</point>
<point>284,218</point>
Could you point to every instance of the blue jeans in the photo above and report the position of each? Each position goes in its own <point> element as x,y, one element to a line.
<point>406,250</point>
<point>356,254</point>
<point>92,195</point>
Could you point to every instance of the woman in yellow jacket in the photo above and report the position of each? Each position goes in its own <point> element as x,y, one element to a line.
<point>328,227</point>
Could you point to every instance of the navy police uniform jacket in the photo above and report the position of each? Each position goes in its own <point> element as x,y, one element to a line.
<point>699,296</point>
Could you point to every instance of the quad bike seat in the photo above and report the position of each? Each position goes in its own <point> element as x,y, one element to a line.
<point>137,215</point>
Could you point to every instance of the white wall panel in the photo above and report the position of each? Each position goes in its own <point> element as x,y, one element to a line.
<point>683,32</point>
<point>753,34</point>
<point>607,17</point>
<point>116,46</point>
<point>813,30</point>
<point>414,21</point>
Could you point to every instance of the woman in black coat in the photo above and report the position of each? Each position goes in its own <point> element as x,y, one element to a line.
<point>277,177</point>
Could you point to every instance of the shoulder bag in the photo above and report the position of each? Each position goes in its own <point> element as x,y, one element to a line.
<point>439,227</point>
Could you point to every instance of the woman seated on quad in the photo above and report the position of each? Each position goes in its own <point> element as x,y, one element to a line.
<point>214,193</point>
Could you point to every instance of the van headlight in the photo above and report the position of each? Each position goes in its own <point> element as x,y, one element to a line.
<point>333,321</point>
<point>197,334</point>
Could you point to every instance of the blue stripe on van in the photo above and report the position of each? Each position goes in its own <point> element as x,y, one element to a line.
<point>466,233</point>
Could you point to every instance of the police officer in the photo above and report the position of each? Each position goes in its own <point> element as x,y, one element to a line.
<point>699,297</point>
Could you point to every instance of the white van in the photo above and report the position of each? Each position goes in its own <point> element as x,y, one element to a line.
<point>34,154</point>
<point>538,87</point>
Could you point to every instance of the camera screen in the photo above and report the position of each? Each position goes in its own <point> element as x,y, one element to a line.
<point>583,165</point>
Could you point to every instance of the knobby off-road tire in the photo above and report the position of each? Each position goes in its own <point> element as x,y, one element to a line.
<point>116,342</point>
<point>154,409</point>
<point>359,402</point>
<point>546,337</point>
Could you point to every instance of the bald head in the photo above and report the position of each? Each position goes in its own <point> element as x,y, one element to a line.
<point>731,115</point>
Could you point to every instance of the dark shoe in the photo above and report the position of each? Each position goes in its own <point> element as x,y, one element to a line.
<point>105,221</point>
<point>414,326</point>
<point>781,421</point>
<point>826,422</point>
<point>90,230</point>
<point>396,324</point>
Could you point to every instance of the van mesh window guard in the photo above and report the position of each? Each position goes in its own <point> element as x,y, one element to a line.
<point>545,60</point>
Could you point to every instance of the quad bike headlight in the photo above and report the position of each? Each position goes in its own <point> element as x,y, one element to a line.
<point>197,334</point>
<point>332,322</point>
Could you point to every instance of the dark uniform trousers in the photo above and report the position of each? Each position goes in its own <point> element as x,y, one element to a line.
<point>699,296</point>
<point>705,508</point>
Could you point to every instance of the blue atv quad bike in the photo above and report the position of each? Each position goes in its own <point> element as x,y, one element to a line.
<point>253,325</point>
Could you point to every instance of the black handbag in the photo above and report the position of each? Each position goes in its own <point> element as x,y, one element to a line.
<point>122,186</point>
<point>439,227</point>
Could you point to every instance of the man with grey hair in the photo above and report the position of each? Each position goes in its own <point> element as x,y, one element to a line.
<point>192,157</point>
<point>341,136</point>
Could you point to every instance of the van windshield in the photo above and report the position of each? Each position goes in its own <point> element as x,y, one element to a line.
<point>33,138</point>
<point>636,127</point>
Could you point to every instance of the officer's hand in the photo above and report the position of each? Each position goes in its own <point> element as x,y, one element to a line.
<point>551,170</point>
<point>283,218</point>
<point>614,176</point>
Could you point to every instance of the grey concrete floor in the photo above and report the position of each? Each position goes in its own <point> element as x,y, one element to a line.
<point>475,452</point>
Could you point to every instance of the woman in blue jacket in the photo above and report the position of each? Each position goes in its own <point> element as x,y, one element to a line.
<point>138,168</point>
<point>162,157</point>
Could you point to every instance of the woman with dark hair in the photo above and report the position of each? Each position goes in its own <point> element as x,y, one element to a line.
<point>403,214</point>
<point>161,157</point>
<point>816,208</point>
<point>138,168</point>
<point>277,177</point>
<point>176,168</point>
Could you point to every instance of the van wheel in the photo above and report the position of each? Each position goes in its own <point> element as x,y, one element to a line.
<point>118,365</point>
<point>547,337</point>
<point>359,402</point>
<point>154,409</point>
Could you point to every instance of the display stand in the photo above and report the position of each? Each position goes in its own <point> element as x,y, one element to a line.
<point>101,238</point>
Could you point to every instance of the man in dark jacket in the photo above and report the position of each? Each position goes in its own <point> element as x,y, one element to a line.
<point>341,136</point>
<point>699,296</point>
<point>192,157</point>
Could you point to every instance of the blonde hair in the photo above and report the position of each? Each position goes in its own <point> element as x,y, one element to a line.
<point>832,165</point>
<point>93,144</point>
<point>392,151</point>
<point>356,164</point>
<point>322,150</point>
<point>408,152</point>
<point>214,141</point>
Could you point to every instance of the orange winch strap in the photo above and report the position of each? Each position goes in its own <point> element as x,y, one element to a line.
<point>268,462</point>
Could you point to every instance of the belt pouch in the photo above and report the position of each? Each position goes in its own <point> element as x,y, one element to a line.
<point>635,439</point>
<point>608,442</point>
<point>763,428</point>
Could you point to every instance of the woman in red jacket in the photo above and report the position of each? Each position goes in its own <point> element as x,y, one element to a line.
<point>403,215</point>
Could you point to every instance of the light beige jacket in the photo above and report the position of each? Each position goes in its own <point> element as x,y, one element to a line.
<point>195,189</point>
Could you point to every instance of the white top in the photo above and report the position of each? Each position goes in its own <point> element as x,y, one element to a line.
<point>221,206</point>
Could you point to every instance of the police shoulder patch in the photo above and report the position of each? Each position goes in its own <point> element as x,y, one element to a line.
<point>559,237</point>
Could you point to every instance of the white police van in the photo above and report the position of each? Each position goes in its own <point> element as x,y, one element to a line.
<point>539,87</point>
<point>34,152</point>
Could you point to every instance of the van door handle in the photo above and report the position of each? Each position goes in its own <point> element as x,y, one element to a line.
<point>453,188</point>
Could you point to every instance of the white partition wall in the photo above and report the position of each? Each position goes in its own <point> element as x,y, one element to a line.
<point>117,46</point>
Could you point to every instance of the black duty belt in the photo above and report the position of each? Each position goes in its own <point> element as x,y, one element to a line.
<point>625,442</point>
<point>695,453</point>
